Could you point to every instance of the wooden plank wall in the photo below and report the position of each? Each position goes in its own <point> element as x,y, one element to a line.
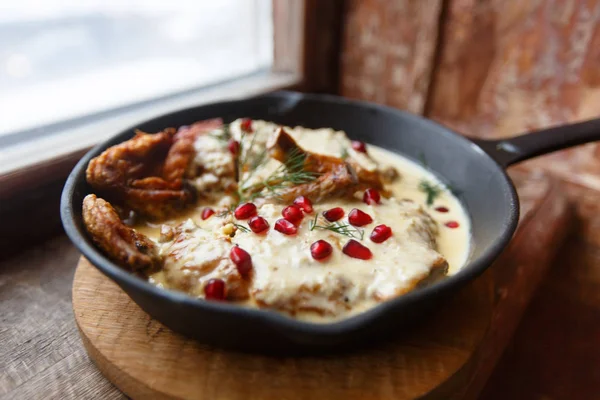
<point>487,68</point>
<point>496,68</point>
<point>388,49</point>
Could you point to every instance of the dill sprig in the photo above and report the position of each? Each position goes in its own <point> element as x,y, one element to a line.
<point>344,153</point>
<point>241,228</point>
<point>249,164</point>
<point>227,211</point>
<point>290,173</point>
<point>223,133</point>
<point>339,228</point>
<point>431,190</point>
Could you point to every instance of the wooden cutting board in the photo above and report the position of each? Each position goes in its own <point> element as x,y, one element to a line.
<point>448,355</point>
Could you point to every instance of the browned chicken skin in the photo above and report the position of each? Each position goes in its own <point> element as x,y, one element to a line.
<point>147,173</point>
<point>336,178</point>
<point>340,181</point>
<point>120,242</point>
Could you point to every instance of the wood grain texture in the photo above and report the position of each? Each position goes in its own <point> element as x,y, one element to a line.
<point>555,353</point>
<point>545,222</point>
<point>388,49</point>
<point>507,67</point>
<point>42,357</point>
<point>322,37</point>
<point>143,358</point>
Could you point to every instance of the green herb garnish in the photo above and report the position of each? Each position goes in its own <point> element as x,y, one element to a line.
<point>223,134</point>
<point>339,228</point>
<point>291,173</point>
<point>241,228</point>
<point>431,190</point>
<point>344,154</point>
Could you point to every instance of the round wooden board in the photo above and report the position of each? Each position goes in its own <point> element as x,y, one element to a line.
<point>146,360</point>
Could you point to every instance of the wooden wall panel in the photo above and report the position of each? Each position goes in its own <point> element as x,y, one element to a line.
<point>506,67</point>
<point>388,49</point>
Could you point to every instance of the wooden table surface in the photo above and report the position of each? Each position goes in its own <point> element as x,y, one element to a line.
<point>41,355</point>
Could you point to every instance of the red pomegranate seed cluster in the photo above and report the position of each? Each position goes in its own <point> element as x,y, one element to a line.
<point>381,233</point>
<point>258,224</point>
<point>334,214</point>
<point>452,224</point>
<point>245,211</point>
<point>359,146</point>
<point>357,217</point>
<point>215,289</point>
<point>293,215</point>
<point>442,209</point>
<point>246,125</point>
<point>372,197</point>
<point>207,213</point>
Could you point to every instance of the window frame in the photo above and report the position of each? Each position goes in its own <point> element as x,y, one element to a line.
<point>306,58</point>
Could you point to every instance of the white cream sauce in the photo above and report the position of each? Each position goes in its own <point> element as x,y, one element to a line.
<point>287,278</point>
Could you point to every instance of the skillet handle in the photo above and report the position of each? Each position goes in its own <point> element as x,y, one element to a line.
<point>513,150</point>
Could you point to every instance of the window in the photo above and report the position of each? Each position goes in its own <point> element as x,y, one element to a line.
<point>61,60</point>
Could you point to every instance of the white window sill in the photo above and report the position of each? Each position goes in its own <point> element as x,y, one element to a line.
<point>48,148</point>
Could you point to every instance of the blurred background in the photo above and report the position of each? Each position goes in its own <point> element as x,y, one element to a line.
<point>75,72</point>
<point>68,59</point>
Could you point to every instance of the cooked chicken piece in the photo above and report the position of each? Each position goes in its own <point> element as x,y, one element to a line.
<point>282,147</point>
<point>288,278</point>
<point>147,173</point>
<point>283,144</point>
<point>194,255</point>
<point>334,177</point>
<point>213,167</point>
<point>326,299</point>
<point>340,181</point>
<point>121,243</point>
<point>179,161</point>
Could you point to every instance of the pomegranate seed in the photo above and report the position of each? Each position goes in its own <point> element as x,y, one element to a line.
<point>233,146</point>
<point>359,218</point>
<point>381,233</point>
<point>452,224</point>
<point>286,227</point>
<point>207,212</point>
<point>304,203</point>
<point>359,146</point>
<point>320,250</point>
<point>245,211</point>
<point>241,259</point>
<point>214,289</point>
<point>371,197</point>
<point>246,125</point>
<point>293,214</point>
<point>442,209</point>
<point>357,250</point>
<point>334,214</point>
<point>258,224</point>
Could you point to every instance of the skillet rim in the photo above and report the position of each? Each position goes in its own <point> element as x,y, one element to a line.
<point>120,276</point>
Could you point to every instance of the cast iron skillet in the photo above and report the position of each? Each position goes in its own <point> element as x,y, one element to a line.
<point>474,168</point>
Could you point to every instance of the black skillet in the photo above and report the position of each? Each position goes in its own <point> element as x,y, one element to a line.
<point>474,168</point>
